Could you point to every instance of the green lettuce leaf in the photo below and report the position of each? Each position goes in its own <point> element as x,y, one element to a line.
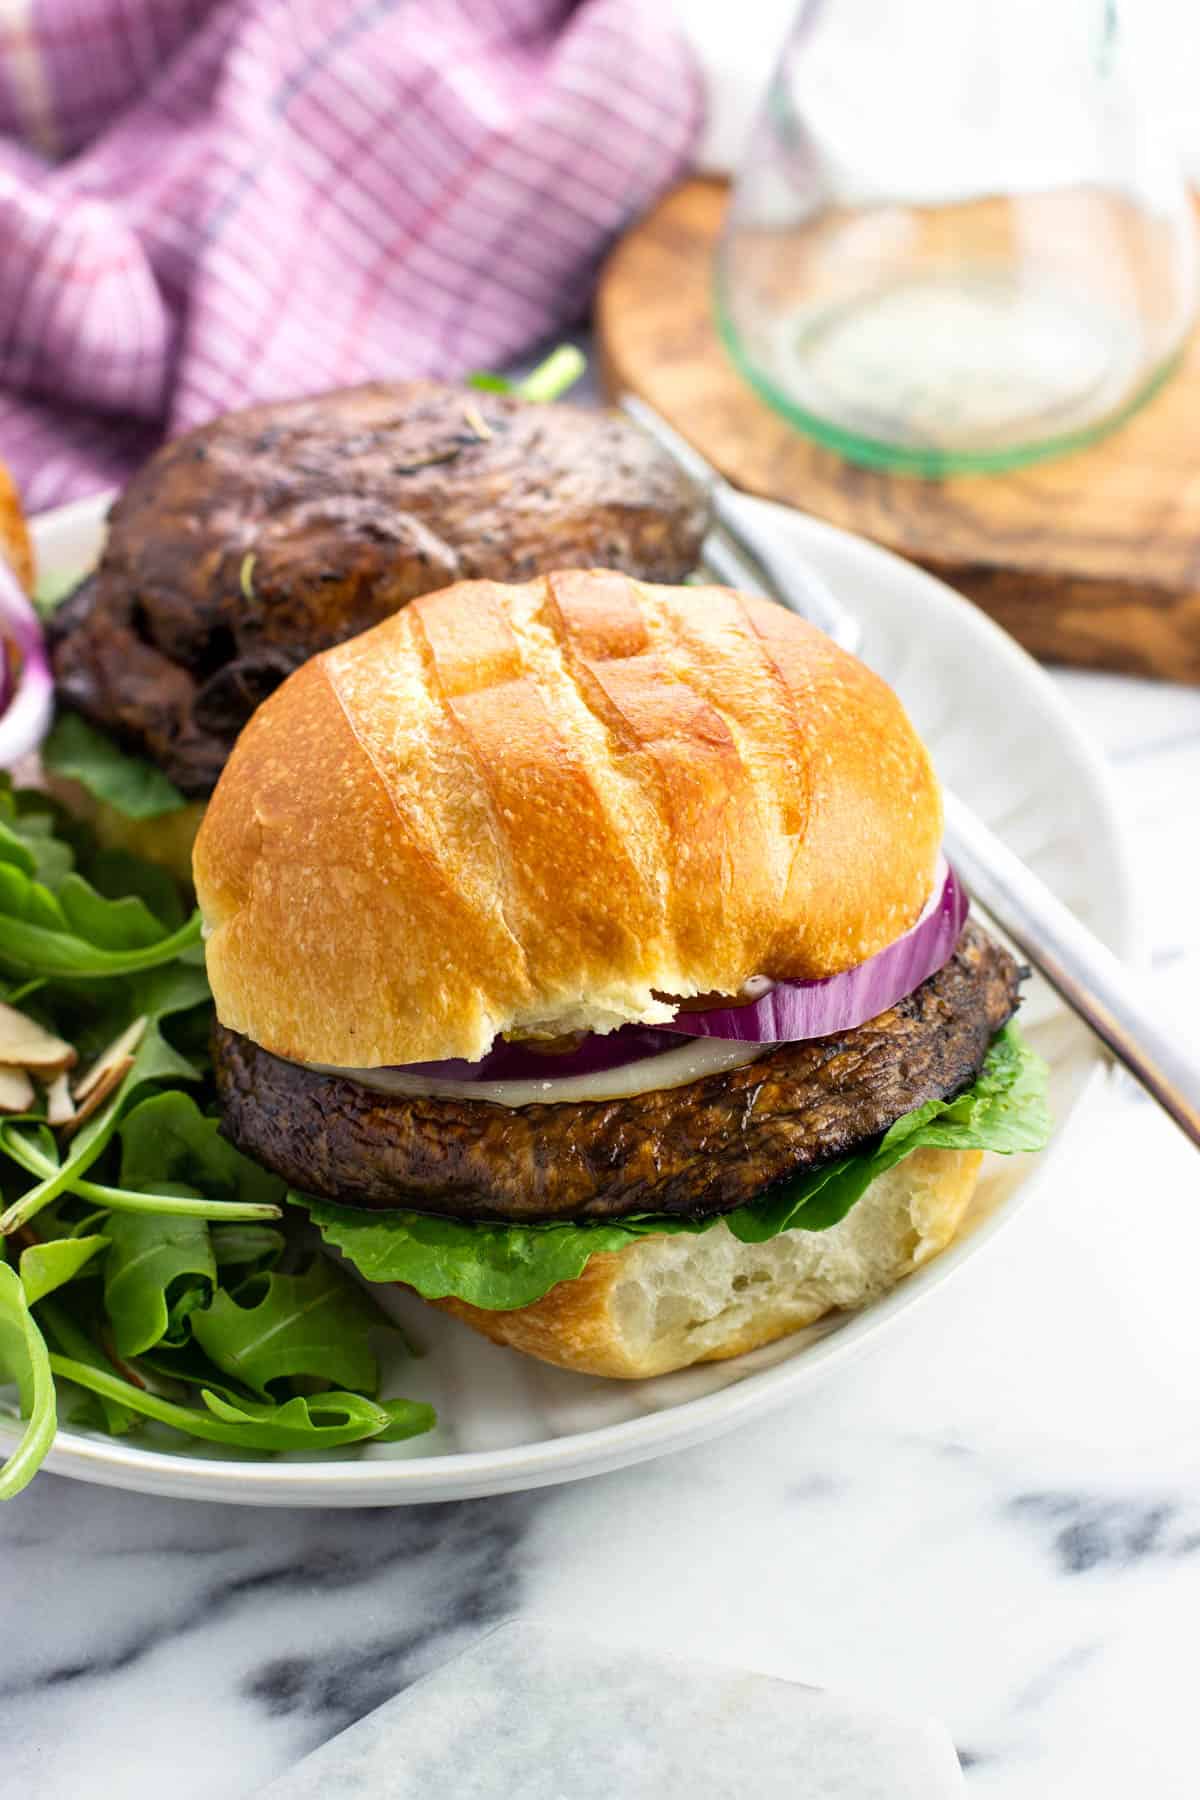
<point>499,1267</point>
<point>129,784</point>
<point>275,1326</point>
<point>495,1266</point>
<point>25,1361</point>
<point>1005,1111</point>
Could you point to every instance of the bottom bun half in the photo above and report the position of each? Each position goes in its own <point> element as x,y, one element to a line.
<point>670,1301</point>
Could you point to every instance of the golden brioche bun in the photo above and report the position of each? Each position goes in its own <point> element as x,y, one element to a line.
<point>14,536</point>
<point>667,1302</point>
<point>536,808</point>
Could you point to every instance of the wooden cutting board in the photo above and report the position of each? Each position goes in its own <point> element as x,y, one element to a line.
<point>1091,559</point>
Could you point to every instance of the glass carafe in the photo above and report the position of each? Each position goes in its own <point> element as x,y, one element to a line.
<point>957,241</point>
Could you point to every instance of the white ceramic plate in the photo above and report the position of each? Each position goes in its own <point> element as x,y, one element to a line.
<point>1003,739</point>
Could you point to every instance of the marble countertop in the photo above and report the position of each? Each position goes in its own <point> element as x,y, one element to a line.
<point>994,1519</point>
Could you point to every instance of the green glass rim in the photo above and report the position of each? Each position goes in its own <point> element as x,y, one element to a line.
<point>931,464</point>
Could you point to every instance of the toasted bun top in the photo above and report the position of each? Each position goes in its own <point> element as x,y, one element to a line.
<point>541,808</point>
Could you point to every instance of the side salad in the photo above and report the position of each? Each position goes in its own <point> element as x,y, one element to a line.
<point>151,1280</point>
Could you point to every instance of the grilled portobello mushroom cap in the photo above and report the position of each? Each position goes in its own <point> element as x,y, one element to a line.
<point>242,549</point>
<point>702,1149</point>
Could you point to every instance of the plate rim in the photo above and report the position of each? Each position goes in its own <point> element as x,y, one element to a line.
<point>465,1474</point>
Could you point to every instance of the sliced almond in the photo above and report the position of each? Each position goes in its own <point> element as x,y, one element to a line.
<point>120,1048</point>
<point>114,1074</point>
<point>16,1090</point>
<point>60,1108</point>
<point>28,1045</point>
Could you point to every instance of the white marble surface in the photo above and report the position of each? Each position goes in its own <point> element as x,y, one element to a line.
<point>994,1519</point>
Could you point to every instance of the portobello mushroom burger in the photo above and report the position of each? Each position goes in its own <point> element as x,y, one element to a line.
<point>245,547</point>
<point>585,959</point>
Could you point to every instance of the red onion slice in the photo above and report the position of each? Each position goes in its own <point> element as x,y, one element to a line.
<point>793,1010</point>
<point>787,1012</point>
<point>29,694</point>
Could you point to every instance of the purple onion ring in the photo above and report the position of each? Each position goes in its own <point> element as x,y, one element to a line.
<point>786,1013</point>
<point>793,1010</point>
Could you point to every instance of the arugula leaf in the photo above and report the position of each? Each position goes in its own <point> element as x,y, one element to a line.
<point>35,936</point>
<point>25,1361</point>
<point>29,844</point>
<point>118,873</point>
<point>276,1326</point>
<point>124,924</point>
<point>164,1199</point>
<point>100,939</point>
<point>158,1271</point>
<point>130,784</point>
<point>174,1138</point>
<point>159,995</point>
<point>319,1421</point>
<point>53,921</point>
<point>551,378</point>
<point>168,1139</point>
<point>503,1266</point>
<point>64,1334</point>
<point>259,1246</point>
<point>51,1265</point>
<point>402,1418</point>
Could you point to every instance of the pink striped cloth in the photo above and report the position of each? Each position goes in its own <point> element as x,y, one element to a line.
<point>204,203</point>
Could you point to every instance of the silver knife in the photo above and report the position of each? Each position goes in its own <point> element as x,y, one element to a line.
<point>743,552</point>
